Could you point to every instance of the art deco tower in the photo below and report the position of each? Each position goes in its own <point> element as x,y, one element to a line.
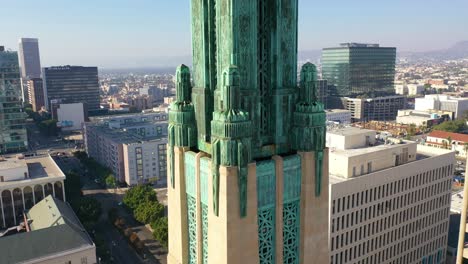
<point>248,172</point>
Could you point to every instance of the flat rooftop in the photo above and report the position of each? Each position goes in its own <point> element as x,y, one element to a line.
<point>366,150</point>
<point>422,152</point>
<point>39,167</point>
<point>350,131</point>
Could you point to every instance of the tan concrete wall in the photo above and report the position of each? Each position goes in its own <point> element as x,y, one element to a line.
<point>231,239</point>
<point>314,244</point>
<point>177,210</point>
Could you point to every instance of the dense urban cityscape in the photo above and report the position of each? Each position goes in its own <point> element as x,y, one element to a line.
<point>253,151</point>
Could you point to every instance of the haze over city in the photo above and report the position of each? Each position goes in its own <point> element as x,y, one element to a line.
<point>148,33</point>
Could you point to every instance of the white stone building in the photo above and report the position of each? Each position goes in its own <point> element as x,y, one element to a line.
<point>26,181</point>
<point>341,116</point>
<point>389,202</point>
<point>70,116</point>
<point>444,103</point>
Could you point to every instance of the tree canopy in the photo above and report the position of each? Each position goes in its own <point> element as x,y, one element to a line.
<point>140,194</point>
<point>455,126</point>
<point>149,212</point>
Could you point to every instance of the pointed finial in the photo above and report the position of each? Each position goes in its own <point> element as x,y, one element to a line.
<point>308,91</point>
<point>183,86</point>
<point>231,88</point>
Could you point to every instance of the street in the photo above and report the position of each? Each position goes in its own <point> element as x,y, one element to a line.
<point>119,249</point>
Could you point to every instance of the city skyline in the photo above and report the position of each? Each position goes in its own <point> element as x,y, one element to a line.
<point>86,33</point>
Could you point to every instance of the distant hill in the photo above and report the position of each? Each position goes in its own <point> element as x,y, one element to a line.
<point>457,51</point>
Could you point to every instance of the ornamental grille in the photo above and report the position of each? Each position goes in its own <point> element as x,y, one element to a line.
<point>266,236</point>
<point>192,229</point>
<point>205,233</point>
<point>291,233</point>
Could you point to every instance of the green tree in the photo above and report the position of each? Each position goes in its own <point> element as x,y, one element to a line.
<point>139,195</point>
<point>149,212</point>
<point>160,231</point>
<point>72,187</point>
<point>449,142</point>
<point>48,127</point>
<point>88,210</point>
<point>111,182</point>
<point>455,126</point>
<point>465,115</point>
<point>81,155</point>
<point>411,130</point>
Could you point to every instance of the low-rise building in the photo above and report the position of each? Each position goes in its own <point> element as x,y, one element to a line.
<point>25,181</point>
<point>448,140</point>
<point>71,116</point>
<point>422,118</point>
<point>389,200</point>
<point>49,233</point>
<point>444,103</point>
<point>340,116</point>
<point>379,108</point>
<point>409,89</point>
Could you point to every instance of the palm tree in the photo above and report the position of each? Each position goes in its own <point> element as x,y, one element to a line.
<point>449,141</point>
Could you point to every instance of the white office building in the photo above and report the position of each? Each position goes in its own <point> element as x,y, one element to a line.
<point>409,89</point>
<point>389,201</point>
<point>444,103</point>
<point>340,116</point>
<point>71,116</point>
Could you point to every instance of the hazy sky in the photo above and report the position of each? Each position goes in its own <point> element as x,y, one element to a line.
<point>130,33</point>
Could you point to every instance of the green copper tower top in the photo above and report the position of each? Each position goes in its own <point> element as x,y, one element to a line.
<point>260,39</point>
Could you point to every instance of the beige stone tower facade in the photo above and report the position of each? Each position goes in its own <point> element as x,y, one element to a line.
<point>281,226</point>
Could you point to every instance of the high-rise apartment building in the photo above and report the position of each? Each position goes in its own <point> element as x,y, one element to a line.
<point>36,93</point>
<point>356,69</point>
<point>13,136</point>
<point>132,146</point>
<point>389,200</point>
<point>72,84</point>
<point>247,177</point>
<point>30,64</point>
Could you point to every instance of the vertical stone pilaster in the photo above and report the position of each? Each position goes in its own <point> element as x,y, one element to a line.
<point>199,208</point>
<point>279,207</point>
<point>232,239</point>
<point>314,244</point>
<point>177,212</point>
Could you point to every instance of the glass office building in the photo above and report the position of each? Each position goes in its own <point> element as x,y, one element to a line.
<point>13,136</point>
<point>365,70</point>
<point>72,84</point>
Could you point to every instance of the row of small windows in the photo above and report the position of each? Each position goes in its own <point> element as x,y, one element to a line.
<point>412,218</point>
<point>414,247</point>
<point>389,189</point>
<point>438,191</point>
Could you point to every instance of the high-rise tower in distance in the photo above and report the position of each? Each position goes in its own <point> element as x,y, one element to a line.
<point>29,59</point>
<point>248,167</point>
<point>13,136</point>
<point>30,64</point>
<point>356,69</point>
